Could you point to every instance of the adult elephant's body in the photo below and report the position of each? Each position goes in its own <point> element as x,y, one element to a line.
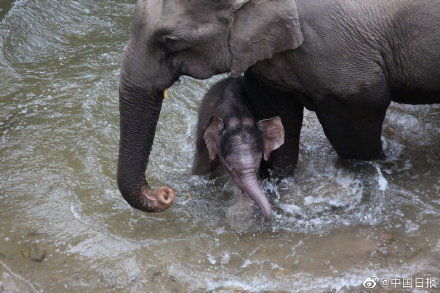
<point>357,56</point>
<point>344,59</point>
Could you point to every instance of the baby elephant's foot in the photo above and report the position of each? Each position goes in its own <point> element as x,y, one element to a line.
<point>157,200</point>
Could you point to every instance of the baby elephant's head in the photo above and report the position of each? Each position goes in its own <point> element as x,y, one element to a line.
<point>240,145</point>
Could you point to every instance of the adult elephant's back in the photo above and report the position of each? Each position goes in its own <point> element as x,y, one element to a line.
<point>412,53</point>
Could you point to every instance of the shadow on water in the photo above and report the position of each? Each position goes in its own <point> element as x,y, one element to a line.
<point>65,225</point>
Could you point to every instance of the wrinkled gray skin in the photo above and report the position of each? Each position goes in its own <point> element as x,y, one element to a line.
<point>228,133</point>
<point>344,59</point>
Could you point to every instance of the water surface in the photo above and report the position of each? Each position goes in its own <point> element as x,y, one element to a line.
<point>336,223</point>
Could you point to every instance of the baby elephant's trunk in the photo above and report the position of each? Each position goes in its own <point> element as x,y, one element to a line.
<point>251,187</point>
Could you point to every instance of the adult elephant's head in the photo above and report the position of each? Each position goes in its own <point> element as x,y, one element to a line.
<point>198,38</point>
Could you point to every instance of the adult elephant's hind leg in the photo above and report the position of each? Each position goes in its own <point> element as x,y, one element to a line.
<point>353,124</point>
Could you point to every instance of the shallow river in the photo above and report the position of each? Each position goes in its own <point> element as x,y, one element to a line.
<point>336,223</point>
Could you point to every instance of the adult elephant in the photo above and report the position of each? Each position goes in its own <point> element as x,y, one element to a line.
<point>344,59</point>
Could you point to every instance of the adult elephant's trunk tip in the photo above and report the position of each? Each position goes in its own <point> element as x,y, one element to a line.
<point>157,200</point>
<point>143,197</point>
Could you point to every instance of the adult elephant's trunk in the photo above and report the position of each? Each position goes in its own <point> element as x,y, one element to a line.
<point>249,185</point>
<point>144,76</point>
<point>139,112</point>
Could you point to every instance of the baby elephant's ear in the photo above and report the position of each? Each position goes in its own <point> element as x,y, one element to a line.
<point>213,127</point>
<point>273,134</point>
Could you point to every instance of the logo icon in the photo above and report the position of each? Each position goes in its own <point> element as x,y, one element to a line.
<point>370,283</point>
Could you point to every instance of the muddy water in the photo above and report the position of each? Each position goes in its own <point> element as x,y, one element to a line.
<point>336,223</point>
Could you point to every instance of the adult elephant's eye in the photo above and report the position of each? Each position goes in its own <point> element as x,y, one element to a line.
<point>174,44</point>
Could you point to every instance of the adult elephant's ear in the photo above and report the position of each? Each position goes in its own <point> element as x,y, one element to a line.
<point>262,28</point>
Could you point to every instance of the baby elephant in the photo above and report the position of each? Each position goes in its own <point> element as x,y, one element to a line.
<point>228,133</point>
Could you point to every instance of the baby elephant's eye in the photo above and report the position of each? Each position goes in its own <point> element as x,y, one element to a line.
<point>228,165</point>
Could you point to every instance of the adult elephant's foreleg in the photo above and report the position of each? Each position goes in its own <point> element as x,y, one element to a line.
<point>353,124</point>
<point>267,102</point>
<point>282,161</point>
